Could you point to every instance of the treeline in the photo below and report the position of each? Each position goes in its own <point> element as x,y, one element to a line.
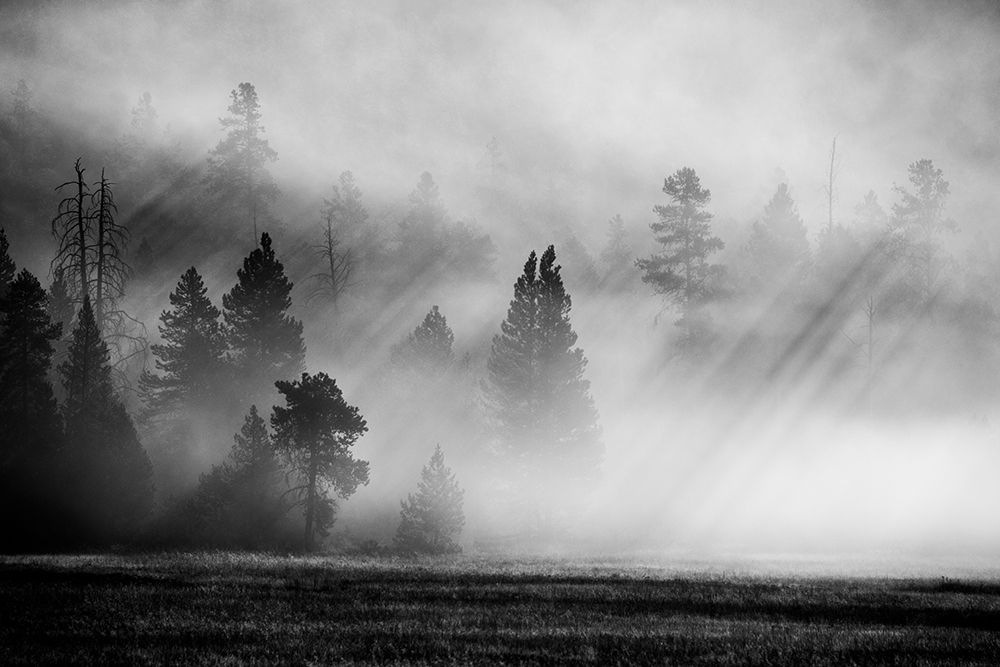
<point>113,439</point>
<point>76,473</point>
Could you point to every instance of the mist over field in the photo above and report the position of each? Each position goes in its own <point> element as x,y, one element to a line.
<point>837,402</point>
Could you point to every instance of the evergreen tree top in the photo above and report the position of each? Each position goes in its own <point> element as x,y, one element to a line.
<point>252,445</point>
<point>7,265</point>
<point>262,290</point>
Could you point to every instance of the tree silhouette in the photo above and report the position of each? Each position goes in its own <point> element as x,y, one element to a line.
<point>27,405</point>
<point>238,163</point>
<point>111,481</point>
<point>916,225</point>
<point>539,400</point>
<point>265,341</point>
<point>241,502</point>
<point>681,271</point>
<point>778,248</point>
<point>427,352</point>
<point>32,432</point>
<point>432,519</point>
<point>192,355</point>
<point>7,266</point>
<point>315,433</point>
<point>344,218</point>
<point>71,228</point>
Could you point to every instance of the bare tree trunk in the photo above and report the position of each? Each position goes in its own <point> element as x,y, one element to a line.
<point>829,189</point>
<point>81,229</point>
<point>310,504</point>
<point>99,292</point>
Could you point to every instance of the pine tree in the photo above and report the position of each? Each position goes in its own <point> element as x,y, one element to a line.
<point>617,257</point>
<point>237,164</point>
<point>539,399</point>
<point>777,255</point>
<point>917,223</point>
<point>681,272</point>
<point>7,266</point>
<point>241,502</point>
<point>192,355</point>
<point>32,433</point>
<point>27,406</point>
<point>432,520</point>
<point>109,473</point>
<point>427,352</point>
<point>266,342</point>
<point>315,433</point>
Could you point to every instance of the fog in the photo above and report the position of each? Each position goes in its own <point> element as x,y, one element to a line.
<point>592,106</point>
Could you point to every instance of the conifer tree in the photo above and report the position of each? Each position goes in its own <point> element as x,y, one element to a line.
<point>241,501</point>
<point>7,266</point>
<point>31,431</point>
<point>681,271</point>
<point>264,340</point>
<point>110,475</point>
<point>192,354</point>
<point>916,225</point>
<point>315,433</point>
<point>238,162</point>
<point>27,406</point>
<point>617,257</point>
<point>432,519</point>
<point>427,352</point>
<point>778,248</point>
<point>538,397</point>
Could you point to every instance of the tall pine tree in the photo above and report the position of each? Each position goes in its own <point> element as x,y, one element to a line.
<point>31,426</point>
<point>111,477</point>
<point>540,402</point>
<point>681,271</point>
<point>192,354</point>
<point>264,340</point>
<point>238,172</point>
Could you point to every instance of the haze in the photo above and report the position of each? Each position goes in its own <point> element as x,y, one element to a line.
<point>592,105</point>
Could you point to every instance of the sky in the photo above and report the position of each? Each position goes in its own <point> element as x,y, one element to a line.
<point>599,101</point>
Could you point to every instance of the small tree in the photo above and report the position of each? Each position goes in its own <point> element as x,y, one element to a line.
<point>427,352</point>
<point>315,433</point>
<point>432,520</point>
<point>240,503</point>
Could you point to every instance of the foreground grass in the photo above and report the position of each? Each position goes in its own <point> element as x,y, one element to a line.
<point>232,608</point>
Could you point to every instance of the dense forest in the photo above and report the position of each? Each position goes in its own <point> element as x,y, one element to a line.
<point>199,350</point>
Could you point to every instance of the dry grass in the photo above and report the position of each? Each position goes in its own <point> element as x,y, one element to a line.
<point>236,608</point>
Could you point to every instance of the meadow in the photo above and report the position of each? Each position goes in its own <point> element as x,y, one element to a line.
<point>243,608</point>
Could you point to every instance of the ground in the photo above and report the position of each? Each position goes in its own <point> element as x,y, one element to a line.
<point>236,608</point>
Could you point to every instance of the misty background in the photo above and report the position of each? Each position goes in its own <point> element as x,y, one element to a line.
<point>540,122</point>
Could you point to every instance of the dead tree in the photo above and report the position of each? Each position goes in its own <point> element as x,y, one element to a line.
<point>72,229</point>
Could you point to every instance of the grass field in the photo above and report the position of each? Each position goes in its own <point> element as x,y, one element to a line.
<point>234,608</point>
